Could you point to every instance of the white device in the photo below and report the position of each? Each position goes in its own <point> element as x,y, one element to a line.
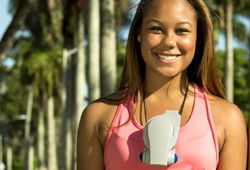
<point>160,136</point>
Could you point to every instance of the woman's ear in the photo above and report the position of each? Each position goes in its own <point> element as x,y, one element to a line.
<point>138,33</point>
<point>139,37</point>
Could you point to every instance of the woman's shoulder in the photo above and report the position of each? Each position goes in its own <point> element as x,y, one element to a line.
<point>225,113</point>
<point>98,115</point>
<point>224,109</point>
<point>93,129</point>
<point>103,108</point>
<point>229,121</point>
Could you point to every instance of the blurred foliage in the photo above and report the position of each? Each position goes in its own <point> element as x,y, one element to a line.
<point>13,100</point>
<point>241,74</point>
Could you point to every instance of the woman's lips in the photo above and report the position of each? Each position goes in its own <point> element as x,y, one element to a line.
<point>168,58</point>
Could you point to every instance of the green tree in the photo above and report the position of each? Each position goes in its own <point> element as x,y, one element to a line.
<point>12,106</point>
<point>228,12</point>
<point>241,72</point>
<point>40,69</point>
<point>73,79</point>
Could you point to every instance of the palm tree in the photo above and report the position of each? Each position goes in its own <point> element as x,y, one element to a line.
<point>232,28</point>
<point>41,69</point>
<point>94,50</point>
<point>243,10</point>
<point>44,23</point>
<point>27,75</point>
<point>108,47</point>
<point>73,80</point>
<point>229,59</point>
<point>41,132</point>
<point>28,164</point>
<point>52,161</point>
<point>80,81</point>
<point>69,20</point>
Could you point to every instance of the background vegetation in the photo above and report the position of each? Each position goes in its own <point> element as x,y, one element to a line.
<point>68,53</point>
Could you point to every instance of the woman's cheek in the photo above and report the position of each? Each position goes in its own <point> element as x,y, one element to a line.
<point>188,43</point>
<point>153,40</point>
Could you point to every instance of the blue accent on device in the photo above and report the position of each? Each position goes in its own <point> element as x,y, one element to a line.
<point>141,156</point>
<point>175,158</point>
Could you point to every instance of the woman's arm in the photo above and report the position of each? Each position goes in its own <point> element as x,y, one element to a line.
<point>89,147</point>
<point>233,153</point>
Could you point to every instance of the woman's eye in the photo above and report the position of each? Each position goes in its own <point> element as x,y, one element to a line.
<point>156,29</point>
<point>182,30</point>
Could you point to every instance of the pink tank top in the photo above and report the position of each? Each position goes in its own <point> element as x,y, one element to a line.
<point>197,145</point>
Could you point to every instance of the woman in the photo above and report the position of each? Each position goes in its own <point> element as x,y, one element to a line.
<point>170,48</point>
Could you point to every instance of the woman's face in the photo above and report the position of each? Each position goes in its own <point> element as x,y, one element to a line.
<point>168,37</point>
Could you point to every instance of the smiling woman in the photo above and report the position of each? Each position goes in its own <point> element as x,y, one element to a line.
<point>170,67</point>
<point>168,43</point>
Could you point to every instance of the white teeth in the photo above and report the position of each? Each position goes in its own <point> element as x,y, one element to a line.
<point>168,57</point>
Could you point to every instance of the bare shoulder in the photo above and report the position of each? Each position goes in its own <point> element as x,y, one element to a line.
<point>231,130</point>
<point>98,116</point>
<point>101,110</point>
<point>92,132</point>
<point>225,111</point>
<point>97,112</point>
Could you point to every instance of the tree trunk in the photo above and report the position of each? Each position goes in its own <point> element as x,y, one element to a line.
<point>64,109</point>
<point>67,104</point>
<point>68,107</point>
<point>27,128</point>
<point>79,84</point>
<point>70,111</point>
<point>40,134</point>
<point>108,47</point>
<point>52,156</point>
<point>9,155</point>
<point>229,72</point>
<point>94,50</point>
<point>72,80</point>
<point>18,20</point>
<point>31,154</point>
<point>80,69</point>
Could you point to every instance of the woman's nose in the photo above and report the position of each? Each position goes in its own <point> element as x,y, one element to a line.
<point>169,40</point>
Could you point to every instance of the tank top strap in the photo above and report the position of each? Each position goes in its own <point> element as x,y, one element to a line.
<point>122,115</point>
<point>200,92</point>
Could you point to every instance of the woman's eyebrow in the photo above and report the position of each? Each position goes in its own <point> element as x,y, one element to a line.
<point>154,20</point>
<point>185,22</point>
<point>180,23</point>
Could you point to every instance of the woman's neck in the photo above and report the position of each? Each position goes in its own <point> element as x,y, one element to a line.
<point>165,88</point>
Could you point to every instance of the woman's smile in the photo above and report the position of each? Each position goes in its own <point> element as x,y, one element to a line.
<point>168,58</point>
